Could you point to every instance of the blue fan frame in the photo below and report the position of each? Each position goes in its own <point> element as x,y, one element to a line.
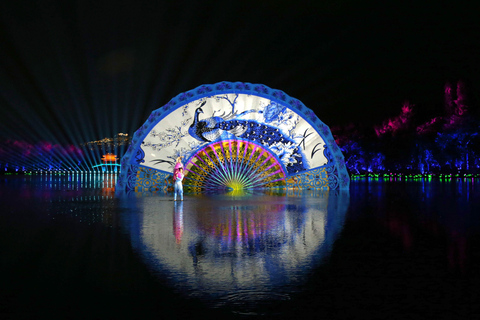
<point>338,175</point>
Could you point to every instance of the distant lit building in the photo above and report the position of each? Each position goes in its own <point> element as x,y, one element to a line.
<point>120,139</point>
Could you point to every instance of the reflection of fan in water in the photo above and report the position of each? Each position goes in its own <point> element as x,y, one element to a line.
<point>241,230</point>
<point>233,165</point>
<point>239,227</point>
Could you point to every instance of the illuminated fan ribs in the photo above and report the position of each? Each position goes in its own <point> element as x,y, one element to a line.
<point>234,164</point>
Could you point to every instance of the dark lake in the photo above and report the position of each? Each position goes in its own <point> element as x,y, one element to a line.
<point>386,249</point>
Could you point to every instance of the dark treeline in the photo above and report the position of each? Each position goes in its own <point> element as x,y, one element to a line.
<point>448,143</point>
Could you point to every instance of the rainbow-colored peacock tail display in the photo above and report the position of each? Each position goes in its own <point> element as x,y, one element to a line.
<point>233,165</point>
<point>233,136</point>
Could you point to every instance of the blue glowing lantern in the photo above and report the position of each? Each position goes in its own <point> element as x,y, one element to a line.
<point>234,136</point>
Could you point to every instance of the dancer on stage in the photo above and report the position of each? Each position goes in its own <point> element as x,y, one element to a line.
<point>178,165</point>
<point>177,178</point>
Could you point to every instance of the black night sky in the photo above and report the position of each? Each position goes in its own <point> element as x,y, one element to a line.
<point>75,71</point>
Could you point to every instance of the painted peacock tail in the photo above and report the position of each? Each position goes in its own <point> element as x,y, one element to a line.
<point>233,165</point>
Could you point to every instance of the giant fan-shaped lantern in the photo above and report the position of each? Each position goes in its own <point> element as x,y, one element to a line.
<point>234,136</point>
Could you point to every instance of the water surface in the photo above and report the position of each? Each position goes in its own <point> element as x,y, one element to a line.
<point>71,248</point>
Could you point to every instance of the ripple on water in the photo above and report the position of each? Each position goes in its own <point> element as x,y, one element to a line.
<point>252,302</point>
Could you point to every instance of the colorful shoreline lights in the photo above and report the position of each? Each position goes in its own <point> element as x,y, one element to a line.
<point>236,137</point>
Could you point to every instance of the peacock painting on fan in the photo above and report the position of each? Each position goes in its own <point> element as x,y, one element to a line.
<point>234,136</point>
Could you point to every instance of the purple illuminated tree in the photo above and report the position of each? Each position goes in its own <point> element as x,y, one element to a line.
<point>447,143</point>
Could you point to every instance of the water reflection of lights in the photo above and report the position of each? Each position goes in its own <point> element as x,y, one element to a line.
<point>87,198</point>
<point>213,246</point>
<point>75,181</point>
